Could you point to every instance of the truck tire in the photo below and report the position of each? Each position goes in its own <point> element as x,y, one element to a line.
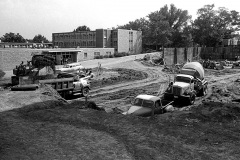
<point>192,99</point>
<point>85,91</point>
<point>202,92</point>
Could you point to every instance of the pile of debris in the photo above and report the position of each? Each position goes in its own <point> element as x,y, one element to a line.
<point>153,60</point>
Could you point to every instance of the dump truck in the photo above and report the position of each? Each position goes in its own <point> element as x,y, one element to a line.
<point>188,84</point>
<point>69,86</point>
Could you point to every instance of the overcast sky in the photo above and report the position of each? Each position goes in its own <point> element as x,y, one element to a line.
<point>32,17</point>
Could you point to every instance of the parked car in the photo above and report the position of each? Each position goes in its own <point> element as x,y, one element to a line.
<point>72,67</point>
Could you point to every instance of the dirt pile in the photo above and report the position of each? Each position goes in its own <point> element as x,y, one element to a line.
<point>225,92</point>
<point>216,112</point>
<point>152,59</point>
<point>17,99</point>
<point>117,75</point>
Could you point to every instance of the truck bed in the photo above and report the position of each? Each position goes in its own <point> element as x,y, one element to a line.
<point>63,84</point>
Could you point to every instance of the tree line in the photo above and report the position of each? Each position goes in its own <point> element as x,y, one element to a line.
<point>173,27</point>
<point>17,38</point>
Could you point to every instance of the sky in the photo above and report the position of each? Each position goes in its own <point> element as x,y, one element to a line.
<point>33,17</point>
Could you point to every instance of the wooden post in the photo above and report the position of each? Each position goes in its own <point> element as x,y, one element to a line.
<point>86,101</point>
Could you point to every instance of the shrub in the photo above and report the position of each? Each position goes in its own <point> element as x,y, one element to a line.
<point>110,56</point>
<point>120,54</point>
<point>2,73</point>
<point>98,57</point>
<point>105,56</point>
<point>117,54</point>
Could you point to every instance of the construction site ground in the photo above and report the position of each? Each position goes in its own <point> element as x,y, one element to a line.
<point>41,125</point>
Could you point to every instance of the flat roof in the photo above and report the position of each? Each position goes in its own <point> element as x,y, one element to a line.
<point>63,50</point>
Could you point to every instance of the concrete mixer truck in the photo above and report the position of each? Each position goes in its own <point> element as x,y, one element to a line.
<point>188,84</point>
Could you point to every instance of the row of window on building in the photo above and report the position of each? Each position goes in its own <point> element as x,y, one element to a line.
<point>74,44</point>
<point>75,36</point>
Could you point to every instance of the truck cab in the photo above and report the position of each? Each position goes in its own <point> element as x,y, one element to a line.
<point>146,105</point>
<point>188,84</point>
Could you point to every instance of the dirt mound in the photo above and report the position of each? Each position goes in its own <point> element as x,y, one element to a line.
<point>216,111</point>
<point>225,92</point>
<point>152,59</point>
<point>118,75</point>
<point>17,99</point>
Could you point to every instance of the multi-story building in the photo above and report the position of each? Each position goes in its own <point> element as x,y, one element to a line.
<point>128,41</point>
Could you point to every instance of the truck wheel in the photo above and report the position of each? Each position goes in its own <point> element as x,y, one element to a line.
<point>85,91</point>
<point>192,99</point>
<point>203,92</point>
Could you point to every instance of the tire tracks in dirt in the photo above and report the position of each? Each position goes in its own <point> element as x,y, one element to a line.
<point>155,75</point>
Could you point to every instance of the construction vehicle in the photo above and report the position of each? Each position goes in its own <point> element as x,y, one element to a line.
<point>188,84</point>
<point>69,86</point>
<point>213,65</point>
<point>32,68</point>
<point>147,105</point>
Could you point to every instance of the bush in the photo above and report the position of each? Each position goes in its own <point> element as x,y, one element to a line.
<point>105,56</point>
<point>2,73</point>
<point>110,56</point>
<point>120,54</point>
<point>98,57</point>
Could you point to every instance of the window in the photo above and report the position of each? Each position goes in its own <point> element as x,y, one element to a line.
<point>147,103</point>
<point>183,79</point>
<point>85,55</point>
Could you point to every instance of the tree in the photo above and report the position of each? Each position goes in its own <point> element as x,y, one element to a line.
<point>167,26</point>
<point>12,37</point>
<point>39,39</point>
<point>81,28</point>
<point>212,26</point>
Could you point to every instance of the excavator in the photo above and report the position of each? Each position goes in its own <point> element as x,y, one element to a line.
<point>32,67</point>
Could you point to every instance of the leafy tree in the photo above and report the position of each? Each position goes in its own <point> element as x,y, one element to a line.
<point>39,39</point>
<point>82,28</point>
<point>212,26</point>
<point>12,37</point>
<point>167,26</point>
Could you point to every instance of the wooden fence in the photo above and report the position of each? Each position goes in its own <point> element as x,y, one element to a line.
<point>182,55</point>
